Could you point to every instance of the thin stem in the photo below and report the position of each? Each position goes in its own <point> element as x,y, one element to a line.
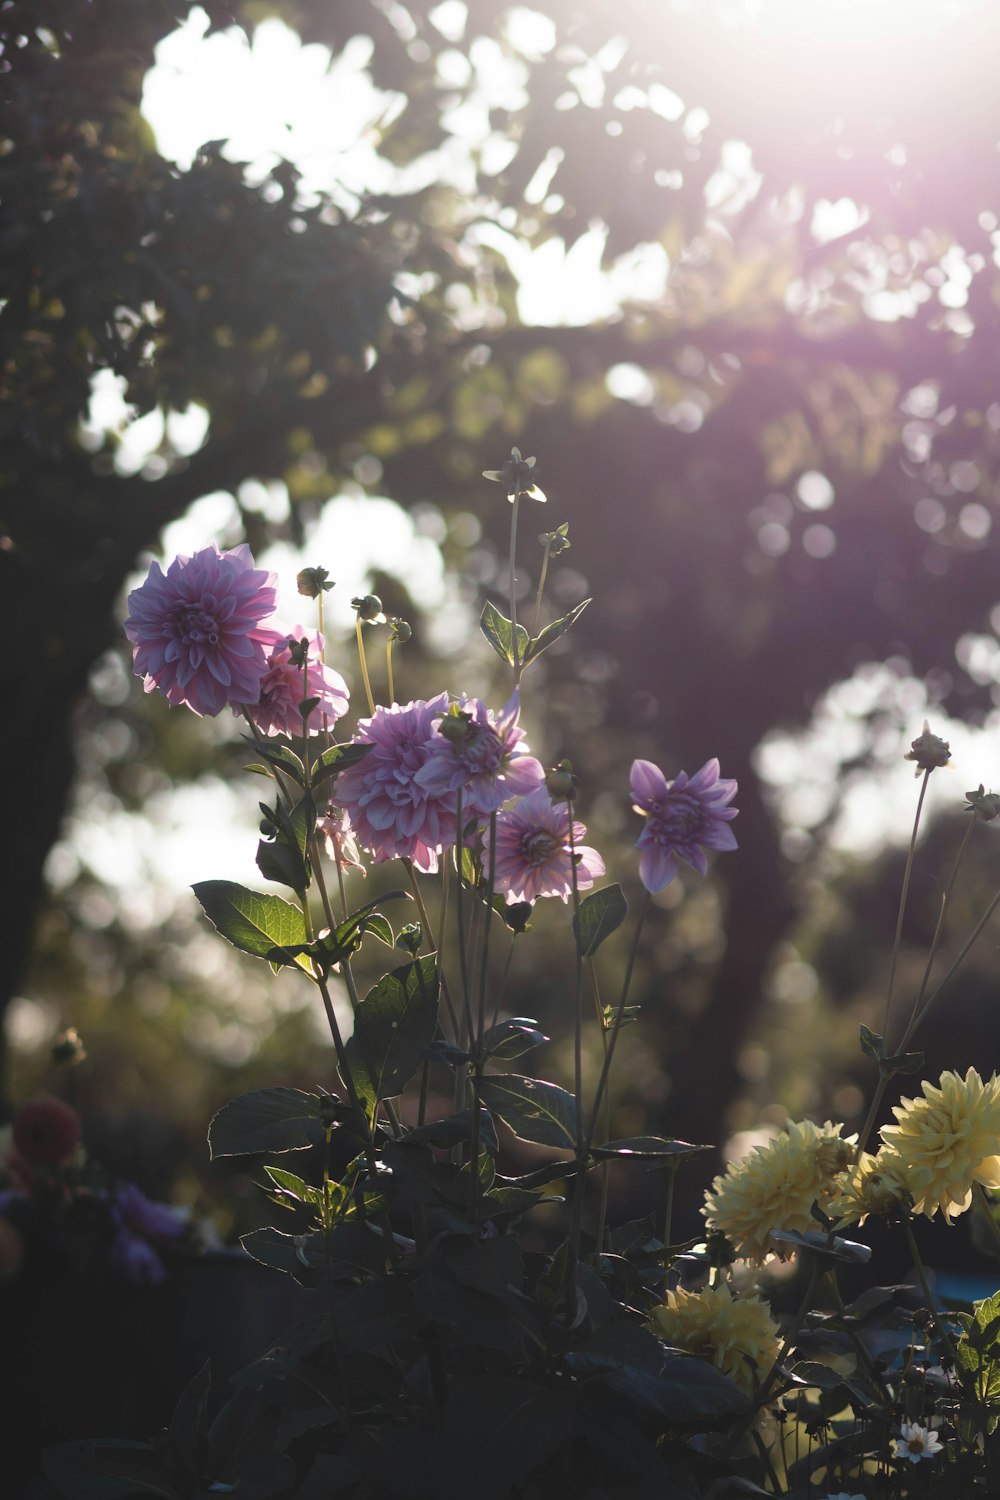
<point>512,586</point>
<point>502,986</point>
<point>541,586</point>
<point>935,941</point>
<point>918,1266</point>
<point>364,667</point>
<point>463,957</point>
<point>764,1390</point>
<point>488,920</point>
<point>388,668</point>
<point>958,961</point>
<point>902,905</point>
<point>668,1209</point>
<point>425,923</point>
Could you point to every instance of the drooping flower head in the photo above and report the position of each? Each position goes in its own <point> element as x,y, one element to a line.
<point>776,1185</point>
<point>947,1141</point>
<point>683,818</point>
<point>916,1442</point>
<point>197,629</point>
<point>739,1336</point>
<point>392,815</point>
<point>482,754</point>
<point>532,855</point>
<point>283,686</point>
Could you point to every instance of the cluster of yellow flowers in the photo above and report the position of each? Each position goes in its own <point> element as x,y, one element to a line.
<point>776,1186</point>
<point>940,1146</point>
<point>739,1336</point>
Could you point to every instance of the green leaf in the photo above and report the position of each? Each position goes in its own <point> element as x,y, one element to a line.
<point>253,921</point>
<point>291,1186</point>
<point>512,1038</point>
<point>905,1062</point>
<point>395,1022</point>
<point>978,1354</point>
<point>379,927</point>
<point>455,1130</point>
<point>106,1469</point>
<point>497,630</point>
<point>872,1045</point>
<point>552,633</point>
<point>267,1120</point>
<point>280,862</point>
<point>279,756</point>
<point>651,1148</point>
<point>297,1255</point>
<point>336,759</point>
<point>535,1111</point>
<point>601,913</point>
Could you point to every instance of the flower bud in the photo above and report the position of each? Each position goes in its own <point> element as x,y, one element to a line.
<point>401,630</point>
<point>67,1047</point>
<point>985,805</point>
<point>454,726</point>
<point>313,581</point>
<point>561,782</point>
<point>410,937</point>
<point>369,608</point>
<point>928,751</point>
<point>298,651</point>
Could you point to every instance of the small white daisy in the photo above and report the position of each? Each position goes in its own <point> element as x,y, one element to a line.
<point>916,1442</point>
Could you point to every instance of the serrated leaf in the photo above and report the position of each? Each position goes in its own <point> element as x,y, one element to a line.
<point>290,1185</point>
<point>395,1023</point>
<point>553,632</point>
<point>277,1120</point>
<point>497,630</point>
<point>455,1130</point>
<point>977,1354</point>
<point>601,913</point>
<point>253,921</point>
<point>534,1110</point>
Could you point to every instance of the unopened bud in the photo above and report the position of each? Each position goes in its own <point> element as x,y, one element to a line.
<point>454,727</point>
<point>369,608</point>
<point>67,1047</point>
<point>313,581</point>
<point>928,751</point>
<point>401,630</point>
<point>410,937</point>
<point>985,805</point>
<point>561,782</point>
<point>298,651</point>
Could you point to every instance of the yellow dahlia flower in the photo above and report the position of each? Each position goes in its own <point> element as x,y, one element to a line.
<point>739,1337</point>
<point>776,1186</point>
<point>948,1140</point>
<point>876,1185</point>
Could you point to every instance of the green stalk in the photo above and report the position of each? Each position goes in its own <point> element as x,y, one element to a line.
<point>918,1266</point>
<point>364,667</point>
<point>902,906</point>
<point>541,587</point>
<point>511,586</point>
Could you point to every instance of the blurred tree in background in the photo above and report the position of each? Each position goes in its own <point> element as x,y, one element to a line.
<point>778,453</point>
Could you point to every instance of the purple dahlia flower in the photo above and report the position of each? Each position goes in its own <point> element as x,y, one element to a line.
<point>391,814</point>
<point>474,751</point>
<point>532,856</point>
<point>282,688</point>
<point>196,629</point>
<point>683,819</point>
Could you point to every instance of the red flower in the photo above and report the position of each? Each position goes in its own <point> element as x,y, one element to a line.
<point>46,1131</point>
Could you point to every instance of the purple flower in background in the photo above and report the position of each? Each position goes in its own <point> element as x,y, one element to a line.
<point>683,819</point>
<point>138,1220</point>
<point>282,688</point>
<point>392,815</point>
<point>196,629</point>
<point>481,754</point>
<point>532,855</point>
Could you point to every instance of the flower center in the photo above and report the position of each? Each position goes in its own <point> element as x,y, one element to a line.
<point>540,846</point>
<point>681,816</point>
<point>196,624</point>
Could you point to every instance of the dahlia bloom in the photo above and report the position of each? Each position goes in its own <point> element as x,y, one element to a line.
<point>282,688</point>
<point>916,1442</point>
<point>877,1184</point>
<point>47,1132</point>
<point>197,629</point>
<point>481,754</point>
<point>683,818</point>
<point>739,1337</point>
<point>135,1217</point>
<point>947,1141</point>
<point>390,813</point>
<point>532,853</point>
<point>776,1185</point>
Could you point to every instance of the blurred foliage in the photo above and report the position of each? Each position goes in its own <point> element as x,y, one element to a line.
<point>782,467</point>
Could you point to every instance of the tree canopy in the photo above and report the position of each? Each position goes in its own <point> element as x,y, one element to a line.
<point>779,466</point>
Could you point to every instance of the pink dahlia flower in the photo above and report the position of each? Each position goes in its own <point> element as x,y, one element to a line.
<point>196,629</point>
<point>532,855</point>
<point>683,819</point>
<point>282,688</point>
<point>481,755</point>
<point>392,815</point>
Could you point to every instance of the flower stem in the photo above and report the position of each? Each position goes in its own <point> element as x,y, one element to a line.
<point>388,669</point>
<point>364,666</point>
<point>541,586</point>
<point>935,941</point>
<point>512,586</point>
<point>918,1266</point>
<point>902,906</point>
